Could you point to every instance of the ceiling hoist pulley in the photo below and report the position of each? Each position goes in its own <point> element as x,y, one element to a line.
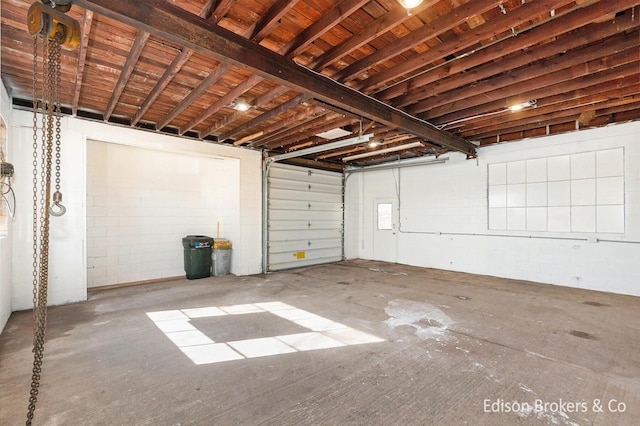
<point>52,31</point>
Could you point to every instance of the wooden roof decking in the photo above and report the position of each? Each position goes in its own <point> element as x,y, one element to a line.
<point>444,76</point>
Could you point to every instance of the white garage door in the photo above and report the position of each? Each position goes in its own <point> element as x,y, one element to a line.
<point>304,217</point>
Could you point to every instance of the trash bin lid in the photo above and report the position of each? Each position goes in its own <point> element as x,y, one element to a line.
<point>221,243</point>
<point>197,241</point>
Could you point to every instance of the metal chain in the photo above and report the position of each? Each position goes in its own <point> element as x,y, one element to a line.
<point>50,103</point>
<point>58,112</point>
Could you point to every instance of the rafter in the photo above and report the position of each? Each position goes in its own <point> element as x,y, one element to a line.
<point>266,23</point>
<point>82,56</point>
<point>549,105</point>
<point>292,103</point>
<point>386,22</point>
<point>440,78</point>
<point>257,103</point>
<point>609,73</point>
<point>554,117</point>
<point>330,19</point>
<point>542,83</point>
<point>165,20</point>
<point>194,94</point>
<point>489,29</point>
<point>231,95</point>
<point>282,133</point>
<point>174,68</point>
<point>127,69</point>
<point>451,20</point>
<point>287,122</point>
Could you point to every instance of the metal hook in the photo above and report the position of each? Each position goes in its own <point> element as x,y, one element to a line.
<point>62,210</point>
<point>57,198</point>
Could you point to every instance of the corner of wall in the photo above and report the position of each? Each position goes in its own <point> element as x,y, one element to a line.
<point>5,242</point>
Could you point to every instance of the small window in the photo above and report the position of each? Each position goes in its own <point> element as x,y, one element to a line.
<point>385,221</point>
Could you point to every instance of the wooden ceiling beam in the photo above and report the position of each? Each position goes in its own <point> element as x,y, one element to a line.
<point>555,117</point>
<point>290,121</point>
<point>272,113</point>
<point>167,21</point>
<point>174,68</point>
<point>383,24</point>
<point>194,94</point>
<point>125,73</point>
<point>307,132</point>
<point>268,21</point>
<point>236,115</point>
<point>327,21</point>
<point>542,84</point>
<point>564,43</point>
<point>601,93</point>
<point>318,120</point>
<point>568,21</point>
<point>429,31</point>
<point>588,79</point>
<point>314,164</point>
<point>227,99</point>
<point>82,57</point>
<point>220,8</point>
<point>552,70</point>
<point>505,22</point>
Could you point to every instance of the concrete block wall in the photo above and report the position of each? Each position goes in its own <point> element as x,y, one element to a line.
<point>141,202</point>
<point>443,218</point>
<point>69,242</point>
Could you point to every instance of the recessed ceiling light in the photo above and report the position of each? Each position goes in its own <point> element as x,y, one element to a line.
<point>240,105</point>
<point>518,107</point>
<point>409,4</point>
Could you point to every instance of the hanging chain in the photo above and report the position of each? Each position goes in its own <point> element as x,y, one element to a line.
<point>42,187</point>
<point>57,209</point>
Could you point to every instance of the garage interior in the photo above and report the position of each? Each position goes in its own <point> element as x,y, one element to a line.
<point>434,211</point>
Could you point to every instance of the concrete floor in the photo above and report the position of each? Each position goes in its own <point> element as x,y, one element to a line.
<point>457,349</point>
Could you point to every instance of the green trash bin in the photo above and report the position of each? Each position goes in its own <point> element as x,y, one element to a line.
<point>197,256</point>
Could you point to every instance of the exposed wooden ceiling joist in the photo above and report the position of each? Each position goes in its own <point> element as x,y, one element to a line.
<point>176,25</point>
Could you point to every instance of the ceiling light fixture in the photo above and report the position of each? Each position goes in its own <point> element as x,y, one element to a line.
<point>526,104</point>
<point>374,144</point>
<point>240,105</point>
<point>409,4</point>
<point>383,151</point>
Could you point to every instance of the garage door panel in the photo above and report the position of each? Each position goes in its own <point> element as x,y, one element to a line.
<point>287,195</point>
<point>305,175</point>
<point>305,258</point>
<point>303,205</point>
<point>296,185</point>
<point>294,246</point>
<point>305,221</point>
<point>304,235</point>
<point>304,215</point>
<point>302,225</point>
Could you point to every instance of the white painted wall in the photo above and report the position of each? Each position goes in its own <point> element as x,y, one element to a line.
<point>5,242</point>
<point>68,265</point>
<point>443,220</point>
<point>142,202</point>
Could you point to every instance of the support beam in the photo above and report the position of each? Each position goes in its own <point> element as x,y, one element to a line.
<point>174,24</point>
<point>127,69</point>
<point>320,148</point>
<point>82,56</point>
